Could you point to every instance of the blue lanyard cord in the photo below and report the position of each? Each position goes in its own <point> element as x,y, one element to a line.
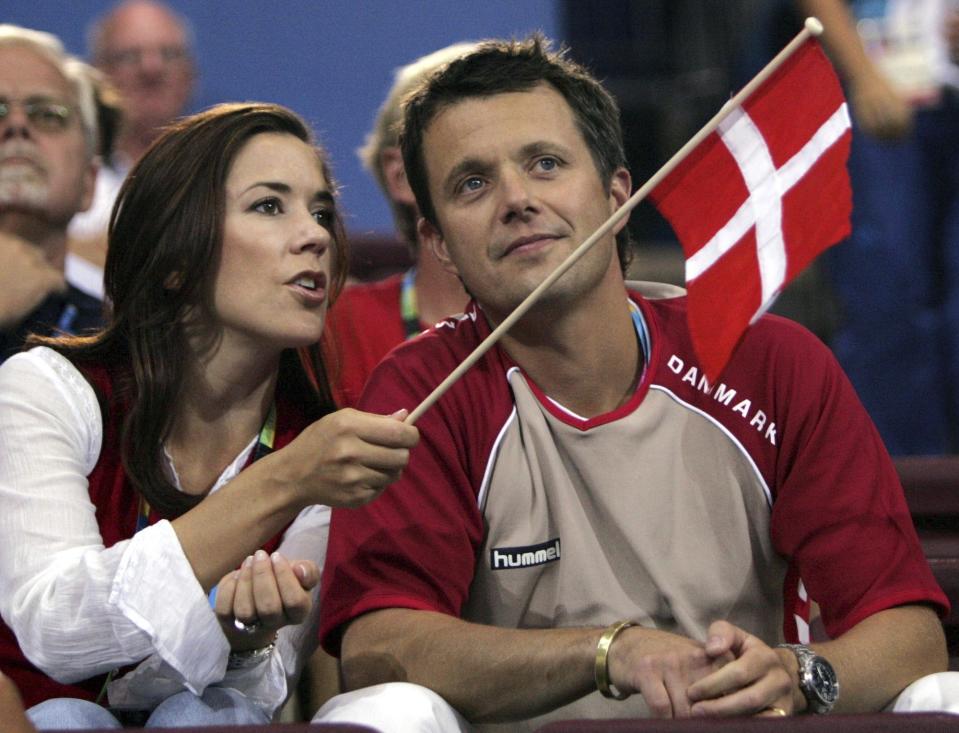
<point>68,317</point>
<point>408,309</point>
<point>642,335</point>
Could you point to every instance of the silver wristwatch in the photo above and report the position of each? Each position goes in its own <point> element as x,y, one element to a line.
<point>817,679</point>
<point>249,657</point>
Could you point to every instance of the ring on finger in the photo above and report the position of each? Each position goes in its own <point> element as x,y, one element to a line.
<point>247,627</point>
<point>777,711</point>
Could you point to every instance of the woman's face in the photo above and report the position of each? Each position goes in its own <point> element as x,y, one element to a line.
<point>271,285</point>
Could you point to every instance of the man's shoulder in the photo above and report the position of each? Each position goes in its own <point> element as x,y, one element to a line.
<point>385,291</point>
<point>778,371</point>
<point>666,305</point>
<point>452,339</point>
<point>368,306</point>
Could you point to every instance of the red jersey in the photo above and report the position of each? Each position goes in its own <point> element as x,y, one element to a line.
<point>739,500</point>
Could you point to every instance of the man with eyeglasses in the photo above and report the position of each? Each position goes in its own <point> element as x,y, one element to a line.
<point>48,141</point>
<point>145,51</point>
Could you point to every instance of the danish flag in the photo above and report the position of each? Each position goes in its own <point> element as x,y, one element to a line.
<point>759,199</point>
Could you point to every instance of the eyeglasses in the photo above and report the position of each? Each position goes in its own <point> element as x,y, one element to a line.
<point>44,113</point>
<point>130,57</point>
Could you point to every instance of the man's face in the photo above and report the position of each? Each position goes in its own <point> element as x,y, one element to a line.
<point>515,190</point>
<point>145,54</point>
<point>45,168</point>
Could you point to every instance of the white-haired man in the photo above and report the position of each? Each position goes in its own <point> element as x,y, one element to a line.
<point>48,168</point>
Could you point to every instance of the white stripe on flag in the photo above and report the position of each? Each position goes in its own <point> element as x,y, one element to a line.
<point>766,185</point>
<point>749,150</point>
<point>826,136</point>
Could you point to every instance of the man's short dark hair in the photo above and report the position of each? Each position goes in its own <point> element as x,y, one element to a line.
<point>498,67</point>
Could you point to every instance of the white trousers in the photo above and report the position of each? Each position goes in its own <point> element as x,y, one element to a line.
<point>934,693</point>
<point>401,707</point>
<point>394,707</point>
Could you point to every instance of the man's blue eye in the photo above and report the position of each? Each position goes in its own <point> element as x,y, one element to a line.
<point>548,164</point>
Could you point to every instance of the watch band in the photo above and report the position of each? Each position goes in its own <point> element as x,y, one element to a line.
<point>249,657</point>
<point>817,679</point>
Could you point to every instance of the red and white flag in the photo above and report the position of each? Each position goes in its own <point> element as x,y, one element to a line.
<point>759,199</point>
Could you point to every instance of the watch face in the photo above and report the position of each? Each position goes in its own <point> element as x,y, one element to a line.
<point>824,681</point>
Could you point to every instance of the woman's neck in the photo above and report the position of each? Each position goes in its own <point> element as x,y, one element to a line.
<point>222,404</point>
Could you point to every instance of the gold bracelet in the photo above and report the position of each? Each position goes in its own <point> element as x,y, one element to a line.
<point>601,668</point>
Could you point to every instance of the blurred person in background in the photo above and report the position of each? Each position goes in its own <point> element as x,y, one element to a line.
<point>48,145</point>
<point>372,318</point>
<point>145,50</point>
<point>897,276</point>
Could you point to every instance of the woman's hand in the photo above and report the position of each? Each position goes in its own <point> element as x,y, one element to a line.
<point>266,593</point>
<point>347,458</point>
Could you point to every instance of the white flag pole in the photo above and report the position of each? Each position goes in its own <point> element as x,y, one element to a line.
<point>812,27</point>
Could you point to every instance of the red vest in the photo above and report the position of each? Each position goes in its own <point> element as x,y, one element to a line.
<point>117,505</point>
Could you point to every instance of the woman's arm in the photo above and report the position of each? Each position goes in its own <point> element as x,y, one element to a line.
<point>345,459</point>
<point>78,608</point>
<point>270,683</point>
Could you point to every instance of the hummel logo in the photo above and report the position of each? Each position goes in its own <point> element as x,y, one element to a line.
<point>524,557</point>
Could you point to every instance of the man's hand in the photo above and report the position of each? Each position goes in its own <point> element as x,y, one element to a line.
<point>661,667</point>
<point>758,680</point>
<point>268,591</point>
<point>952,35</point>
<point>26,278</point>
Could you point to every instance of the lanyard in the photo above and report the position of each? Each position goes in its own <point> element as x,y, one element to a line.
<point>408,310</point>
<point>264,446</point>
<point>67,318</point>
<point>642,335</point>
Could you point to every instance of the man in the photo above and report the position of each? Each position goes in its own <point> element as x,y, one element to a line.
<point>145,51</point>
<point>584,518</point>
<point>48,138</point>
<point>371,318</point>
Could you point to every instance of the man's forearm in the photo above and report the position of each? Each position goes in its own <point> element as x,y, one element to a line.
<point>881,655</point>
<point>487,673</point>
<point>840,37</point>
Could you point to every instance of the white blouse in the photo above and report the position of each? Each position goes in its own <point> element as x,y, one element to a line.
<point>79,609</point>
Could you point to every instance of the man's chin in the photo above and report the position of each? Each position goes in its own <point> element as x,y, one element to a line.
<point>23,194</point>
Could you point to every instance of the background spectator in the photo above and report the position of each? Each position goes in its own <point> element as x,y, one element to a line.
<point>145,50</point>
<point>897,276</point>
<point>48,141</point>
<point>372,318</point>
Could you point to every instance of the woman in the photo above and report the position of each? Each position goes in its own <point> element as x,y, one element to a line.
<point>140,466</point>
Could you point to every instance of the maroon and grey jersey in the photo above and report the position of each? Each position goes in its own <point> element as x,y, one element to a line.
<point>741,500</point>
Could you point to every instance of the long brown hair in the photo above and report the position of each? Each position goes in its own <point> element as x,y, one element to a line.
<point>165,238</point>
